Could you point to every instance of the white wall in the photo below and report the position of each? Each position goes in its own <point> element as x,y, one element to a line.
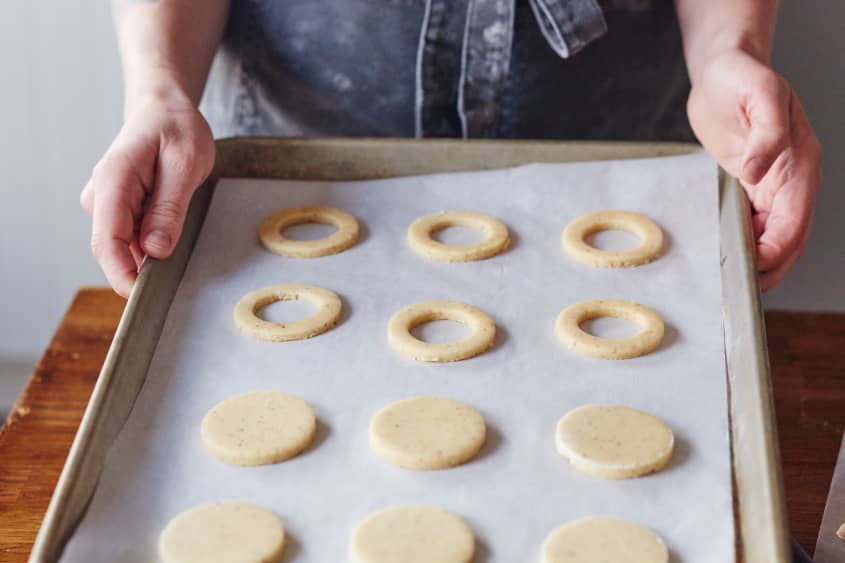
<point>809,49</point>
<point>60,107</point>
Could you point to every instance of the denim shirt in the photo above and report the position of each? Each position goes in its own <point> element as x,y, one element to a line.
<point>577,69</point>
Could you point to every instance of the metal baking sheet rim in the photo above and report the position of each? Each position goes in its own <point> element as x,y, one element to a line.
<point>759,508</point>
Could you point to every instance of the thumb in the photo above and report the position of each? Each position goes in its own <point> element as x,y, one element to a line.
<point>767,111</point>
<point>179,172</point>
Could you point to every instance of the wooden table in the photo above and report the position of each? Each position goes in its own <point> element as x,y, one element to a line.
<point>808,368</point>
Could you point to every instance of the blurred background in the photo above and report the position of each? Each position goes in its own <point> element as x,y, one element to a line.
<point>62,107</point>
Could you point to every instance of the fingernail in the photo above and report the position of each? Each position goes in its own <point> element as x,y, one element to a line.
<point>158,241</point>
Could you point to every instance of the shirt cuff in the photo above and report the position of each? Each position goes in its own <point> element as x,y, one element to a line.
<point>569,25</point>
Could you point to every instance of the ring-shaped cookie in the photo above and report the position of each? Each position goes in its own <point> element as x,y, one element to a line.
<point>576,233</point>
<point>249,323</point>
<point>270,231</point>
<point>569,331</point>
<point>421,240</point>
<point>400,326</point>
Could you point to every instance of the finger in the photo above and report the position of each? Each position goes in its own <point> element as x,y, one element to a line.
<point>178,173</point>
<point>117,205</point>
<point>795,177</point>
<point>767,109</point>
<point>784,226</point>
<point>787,193</point>
<point>86,198</point>
<point>135,249</point>
<point>758,222</point>
<point>771,278</point>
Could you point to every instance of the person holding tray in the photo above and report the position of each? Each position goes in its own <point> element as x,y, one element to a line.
<point>564,69</point>
<point>644,70</point>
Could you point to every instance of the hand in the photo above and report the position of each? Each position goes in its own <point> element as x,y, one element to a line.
<point>140,190</point>
<point>751,121</point>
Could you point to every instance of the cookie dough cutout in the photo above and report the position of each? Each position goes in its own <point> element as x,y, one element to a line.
<point>258,428</point>
<point>604,539</point>
<point>427,433</point>
<point>614,441</point>
<point>223,532</point>
<point>270,231</point>
<point>570,333</point>
<point>421,239</point>
<point>326,317</point>
<point>577,232</point>
<point>412,534</point>
<point>840,533</point>
<point>403,322</point>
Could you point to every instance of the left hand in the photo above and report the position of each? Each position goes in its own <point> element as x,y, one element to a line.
<point>750,120</point>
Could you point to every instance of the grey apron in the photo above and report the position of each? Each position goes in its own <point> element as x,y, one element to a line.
<point>575,69</point>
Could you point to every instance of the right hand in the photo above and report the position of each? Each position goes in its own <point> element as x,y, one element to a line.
<point>139,191</point>
<point>751,121</point>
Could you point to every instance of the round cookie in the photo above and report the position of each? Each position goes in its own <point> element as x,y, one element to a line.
<point>604,539</point>
<point>223,532</point>
<point>496,237</point>
<point>613,441</point>
<point>569,331</point>
<point>270,231</point>
<point>576,233</point>
<point>427,433</point>
<point>326,317</point>
<point>258,428</point>
<point>400,326</point>
<point>412,534</point>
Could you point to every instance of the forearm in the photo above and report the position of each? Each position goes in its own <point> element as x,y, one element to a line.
<point>710,27</point>
<point>166,47</point>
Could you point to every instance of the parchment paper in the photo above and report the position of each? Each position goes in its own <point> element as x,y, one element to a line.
<point>519,489</point>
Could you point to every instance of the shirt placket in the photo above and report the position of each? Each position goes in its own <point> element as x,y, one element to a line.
<point>464,58</point>
<point>438,69</point>
<point>486,58</point>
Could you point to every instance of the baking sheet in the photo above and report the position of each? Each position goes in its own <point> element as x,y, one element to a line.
<point>520,488</point>
<point>829,548</point>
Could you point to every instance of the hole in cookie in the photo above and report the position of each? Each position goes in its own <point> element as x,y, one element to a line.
<point>610,327</point>
<point>458,236</point>
<point>286,311</point>
<point>438,332</point>
<point>613,240</point>
<point>309,231</point>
